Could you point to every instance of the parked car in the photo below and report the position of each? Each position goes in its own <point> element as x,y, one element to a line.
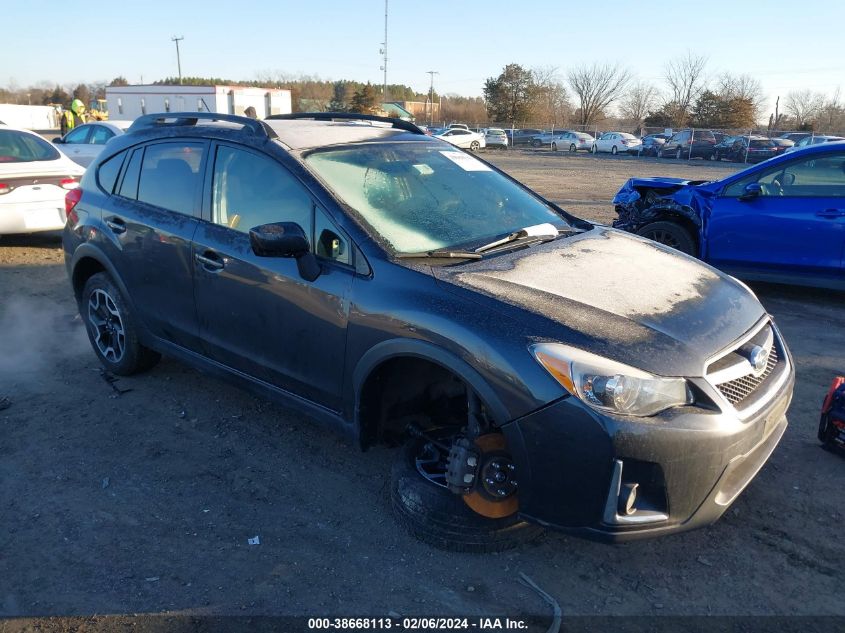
<point>573,141</point>
<point>745,149</point>
<point>34,178</point>
<point>813,140</point>
<point>521,137</point>
<point>537,369</point>
<point>83,143</point>
<point>615,142</point>
<point>689,144</point>
<point>782,220</point>
<point>495,137</point>
<point>547,138</point>
<point>795,136</point>
<point>465,139</point>
<point>652,143</point>
<point>782,144</point>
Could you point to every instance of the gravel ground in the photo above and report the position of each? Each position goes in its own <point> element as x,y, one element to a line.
<point>143,501</point>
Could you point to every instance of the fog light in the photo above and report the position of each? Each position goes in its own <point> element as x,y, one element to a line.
<point>627,499</point>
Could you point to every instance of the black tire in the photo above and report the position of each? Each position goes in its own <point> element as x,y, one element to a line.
<point>474,146</point>
<point>554,146</point>
<point>536,143</point>
<point>594,149</point>
<point>613,150</point>
<point>670,234</point>
<point>572,148</point>
<point>679,154</point>
<point>436,516</point>
<point>112,329</point>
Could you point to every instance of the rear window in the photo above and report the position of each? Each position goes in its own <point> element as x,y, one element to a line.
<point>704,135</point>
<point>19,147</point>
<point>761,143</point>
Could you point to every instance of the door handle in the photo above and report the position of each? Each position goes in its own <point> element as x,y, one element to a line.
<point>831,213</point>
<point>116,225</point>
<point>210,261</point>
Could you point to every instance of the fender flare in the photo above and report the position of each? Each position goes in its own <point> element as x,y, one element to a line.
<point>400,347</point>
<point>90,251</point>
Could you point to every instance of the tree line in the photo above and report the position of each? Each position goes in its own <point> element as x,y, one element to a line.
<point>687,95</point>
<point>586,95</point>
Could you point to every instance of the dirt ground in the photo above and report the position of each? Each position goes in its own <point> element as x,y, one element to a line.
<point>143,501</point>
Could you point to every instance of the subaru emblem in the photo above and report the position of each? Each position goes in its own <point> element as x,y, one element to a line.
<point>758,357</point>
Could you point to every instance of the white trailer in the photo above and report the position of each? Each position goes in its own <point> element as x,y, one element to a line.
<point>29,117</point>
<point>130,102</point>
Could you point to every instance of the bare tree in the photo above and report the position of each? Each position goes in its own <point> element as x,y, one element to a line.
<point>597,86</point>
<point>804,105</point>
<point>638,102</point>
<point>686,81</point>
<point>745,87</point>
<point>551,103</point>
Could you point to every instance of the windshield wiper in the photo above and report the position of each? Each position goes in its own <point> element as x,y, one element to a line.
<point>547,231</point>
<point>441,253</point>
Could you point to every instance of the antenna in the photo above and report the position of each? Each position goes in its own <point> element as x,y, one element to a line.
<point>383,51</point>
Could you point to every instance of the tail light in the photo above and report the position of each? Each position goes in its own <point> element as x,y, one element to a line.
<point>4,188</point>
<point>68,183</point>
<point>71,200</point>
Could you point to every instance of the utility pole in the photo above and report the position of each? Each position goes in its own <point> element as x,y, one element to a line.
<point>383,51</point>
<point>178,59</point>
<point>431,96</point>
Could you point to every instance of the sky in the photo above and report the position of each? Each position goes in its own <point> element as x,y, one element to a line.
<point>787,45</point>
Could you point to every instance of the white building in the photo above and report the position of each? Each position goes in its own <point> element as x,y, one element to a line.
<point>130,102</point>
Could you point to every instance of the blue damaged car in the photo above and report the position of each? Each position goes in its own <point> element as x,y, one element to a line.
<point>782,220</point>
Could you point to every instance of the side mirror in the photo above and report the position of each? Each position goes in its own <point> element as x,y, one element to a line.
<point>58,140</point>
<point>285,239</point>
<point>751,191</point>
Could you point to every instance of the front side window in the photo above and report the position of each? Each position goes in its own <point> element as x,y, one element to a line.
<point>420,197</point>
<point>816,177</point>
<point>170,175</point>
<point>250,190</point>
<point>100,135</point>
<point>20,147</point>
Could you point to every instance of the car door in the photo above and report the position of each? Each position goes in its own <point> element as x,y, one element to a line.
<point>75,142</point>
<point>257,314</point>
<point>796,224</point>
<point>100,135</point>
<point>149,224</point>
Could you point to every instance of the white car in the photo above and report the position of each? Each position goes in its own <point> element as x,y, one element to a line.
<point>573,141</point>
<point>34,179</point>
<point>813,140</point>
<point>495,137</point>
<point>463,138</point>
<point>82,144</point>
<point>615,142</point>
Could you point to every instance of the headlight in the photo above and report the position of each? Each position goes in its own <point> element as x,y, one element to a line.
<point>610,386</point>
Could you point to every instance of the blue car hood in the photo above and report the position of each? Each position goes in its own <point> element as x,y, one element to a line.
<point>614,294</point>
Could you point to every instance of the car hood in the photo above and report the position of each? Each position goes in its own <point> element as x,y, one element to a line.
<point>617,295</point>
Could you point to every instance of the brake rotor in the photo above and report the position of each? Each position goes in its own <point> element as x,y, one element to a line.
<point>495,492</point>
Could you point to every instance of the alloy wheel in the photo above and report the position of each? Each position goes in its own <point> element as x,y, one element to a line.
<point>109,333</point>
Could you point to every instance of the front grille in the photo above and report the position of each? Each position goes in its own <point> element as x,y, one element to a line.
<point>737,390</point>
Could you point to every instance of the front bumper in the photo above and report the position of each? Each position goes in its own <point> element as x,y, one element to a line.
<point>690,464</point>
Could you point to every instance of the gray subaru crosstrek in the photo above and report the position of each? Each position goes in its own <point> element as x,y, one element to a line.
<point>535,370</point>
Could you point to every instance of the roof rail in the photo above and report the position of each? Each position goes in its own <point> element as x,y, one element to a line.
<point>167,119</point>
<point>349,116</point>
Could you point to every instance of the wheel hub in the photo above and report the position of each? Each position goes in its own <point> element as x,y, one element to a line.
<point>495,493</point>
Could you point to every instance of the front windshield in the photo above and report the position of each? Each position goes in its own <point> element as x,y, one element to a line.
<point>424,196</point>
